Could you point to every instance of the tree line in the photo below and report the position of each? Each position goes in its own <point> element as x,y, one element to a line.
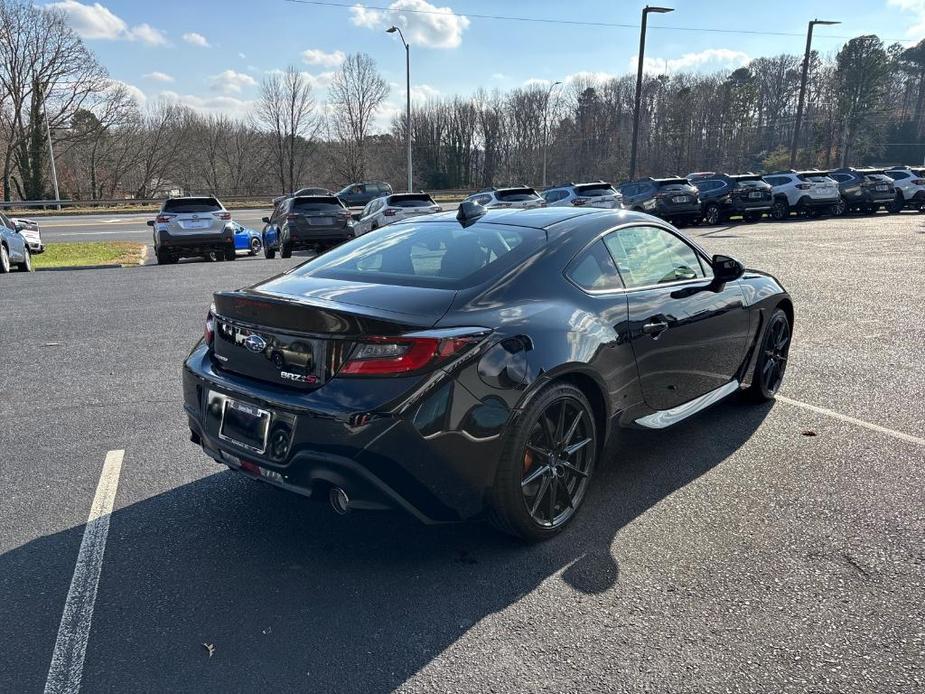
<point>864,104</point>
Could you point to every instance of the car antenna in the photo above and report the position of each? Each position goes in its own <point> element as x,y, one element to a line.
<point>469,212</point>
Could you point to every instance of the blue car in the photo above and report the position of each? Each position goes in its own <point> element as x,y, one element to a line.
<point>246,239</point>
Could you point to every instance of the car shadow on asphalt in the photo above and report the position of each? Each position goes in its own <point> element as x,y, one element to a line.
<point>292,596</point>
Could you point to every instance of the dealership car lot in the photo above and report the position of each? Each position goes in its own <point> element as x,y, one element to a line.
<point>737,551</point>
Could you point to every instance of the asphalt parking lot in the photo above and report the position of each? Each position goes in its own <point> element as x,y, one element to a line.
<point>751,548</point>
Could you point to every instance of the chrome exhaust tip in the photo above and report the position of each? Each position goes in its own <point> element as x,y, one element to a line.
<point>340,502</point>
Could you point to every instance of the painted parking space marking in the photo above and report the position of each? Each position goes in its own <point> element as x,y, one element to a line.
<point>851,420</point>
<point>67,660</point>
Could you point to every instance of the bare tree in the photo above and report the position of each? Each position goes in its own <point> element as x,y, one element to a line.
<point>287,110</point>
<point>356,93</point>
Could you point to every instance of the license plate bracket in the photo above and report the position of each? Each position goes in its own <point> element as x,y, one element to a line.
<point>244,425</point>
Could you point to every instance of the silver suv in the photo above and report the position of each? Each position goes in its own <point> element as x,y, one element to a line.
<point>392,208</point>
<point>192,227</point>
<point>521,197</point>
<point>910,188</point>
<point>596,194</point>
<point>811,192</point>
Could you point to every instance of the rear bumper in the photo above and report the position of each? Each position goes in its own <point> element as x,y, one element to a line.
<point>36,248</point>
<point>918,198</point>
<point>194,243</point>
<point>690,211</point>
<point>322,236</point>
<point>744,207</point>
<point>807,202</point>
<point>381,462</point>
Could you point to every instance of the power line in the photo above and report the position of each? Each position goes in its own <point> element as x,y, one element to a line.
<point>542,20</point>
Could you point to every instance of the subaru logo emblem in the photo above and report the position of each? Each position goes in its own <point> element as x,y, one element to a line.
<point>255,343</point>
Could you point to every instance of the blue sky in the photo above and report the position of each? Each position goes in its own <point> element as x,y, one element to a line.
<point>211,54</point>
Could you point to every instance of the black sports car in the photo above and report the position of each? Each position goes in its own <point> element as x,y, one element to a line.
<point>469,366</point>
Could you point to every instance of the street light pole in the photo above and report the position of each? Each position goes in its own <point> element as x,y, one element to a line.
<point>642,52</point>
<point>796,125</point>
<point>546,127</point>
<point>392,30</point>
<point>51,154</point>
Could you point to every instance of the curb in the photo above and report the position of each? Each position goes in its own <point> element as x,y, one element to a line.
<point>78,267</point>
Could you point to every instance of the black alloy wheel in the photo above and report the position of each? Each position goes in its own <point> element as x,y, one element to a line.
<point>839,208</point>
<point>772,359</point>
<point>780,210</point>
<point>545,472</point>
<point>712,215</point>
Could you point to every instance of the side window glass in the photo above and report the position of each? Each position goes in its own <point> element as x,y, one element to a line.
<point>647,255</point>
<point>593,269</point>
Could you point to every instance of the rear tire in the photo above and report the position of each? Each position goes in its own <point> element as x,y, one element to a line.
<point>163,257</point>
<point>546,467</point>
<point>712,216</point>
<point>840,208</point>
<point>286,250</point>
<point>897,204</point>
<point>780,210</point>
<point>4,260</point>
<point>230,254</point>
<point>26,264</point>
<point>255,246</point>
<point>772,358</point>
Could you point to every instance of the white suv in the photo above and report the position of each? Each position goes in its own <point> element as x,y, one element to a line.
<point>811,192</point>
<point>596,194</point>
<point>521,197</point>
<point>391,208</point>
<point>910,188</point>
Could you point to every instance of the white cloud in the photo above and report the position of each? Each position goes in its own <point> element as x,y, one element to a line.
<point>423,92</point>
<point>499,76</point>
<point>216,104</point>
<point>195,39</point>
<point>423,24</point>
<point>586,76</point>
<point>231,81</point>
<point>712,58</point>
<point>131,90</point>
<point>316,56</point>
<point>916,29</point>
<point>537,82</point>
<point>158,76</point>
<point>320,81</point>
<point>148,34</point>
<point>98,22</point>
<point>242,56</point>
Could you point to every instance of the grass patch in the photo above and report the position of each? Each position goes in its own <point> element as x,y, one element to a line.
<point>90,253</point>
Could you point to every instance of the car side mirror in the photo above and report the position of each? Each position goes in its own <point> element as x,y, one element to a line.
<point>265,220</point>
<point>726,269</point>
<point>150,222</point>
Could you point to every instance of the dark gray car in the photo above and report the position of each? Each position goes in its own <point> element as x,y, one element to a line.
<point>673,199</point>
<point>361,194</point>
<point>311,222</point>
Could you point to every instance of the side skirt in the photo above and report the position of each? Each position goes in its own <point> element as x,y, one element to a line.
<point>665,418</point>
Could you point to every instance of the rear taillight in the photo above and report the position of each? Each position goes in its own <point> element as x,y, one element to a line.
<point>209,332</point>
<point>292,217</point>
<point>502,204</point>
<point>918,181</point>
<point>224,216</point>
<point>164,218</point>
<point>804,186</point>
<point>389,356</point>
<point>578,202</point>
<point>390,212</point>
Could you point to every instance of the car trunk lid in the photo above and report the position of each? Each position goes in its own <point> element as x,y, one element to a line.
<point>298,331</point>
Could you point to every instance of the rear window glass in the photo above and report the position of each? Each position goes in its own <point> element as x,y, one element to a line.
<point>594,269</point>
<point>316,204</point>
<point>897,175</point>
<point>516,194</point>
<point>187,205</point>
<point>411,201</point>
<point>595,190</point>
<point>814,179</point>
<point>441,255</point>
<point>675,187</point>
<point>673,183</point>
<point>752,183</point>
<point>878,178</point>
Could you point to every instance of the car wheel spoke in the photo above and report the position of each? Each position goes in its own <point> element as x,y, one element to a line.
<point>575,447</point>
<point>539,496</point>
<point>573,428</point>
<point>552,499</point>
<point>565,492</point>
<point>574,470</point>
<point>535,475</point>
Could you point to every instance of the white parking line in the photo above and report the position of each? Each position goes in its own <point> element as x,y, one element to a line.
<point>67,661</point>
<point>851,420</point>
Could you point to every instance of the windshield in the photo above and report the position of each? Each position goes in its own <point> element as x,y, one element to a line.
<point>676,186</point>
<point>595,190</point>
<point>411,201</point>
<point>516,194</point>
<point>316,204</point>
<point>436,254</point>
<point>188,205</point>
<point>815,179</point>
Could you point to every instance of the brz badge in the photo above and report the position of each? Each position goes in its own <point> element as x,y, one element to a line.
<point>298,378</point>
<point>255,343</point>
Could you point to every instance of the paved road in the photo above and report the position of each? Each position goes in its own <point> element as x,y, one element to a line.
<point>119,227</point>
<point>732,553</point>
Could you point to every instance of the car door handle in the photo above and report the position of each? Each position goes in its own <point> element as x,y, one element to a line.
<point>655,327</point>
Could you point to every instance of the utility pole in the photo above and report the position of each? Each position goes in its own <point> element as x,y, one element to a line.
<point>803,78</point>
<point>51,154</point>
<point>642,52</point>
<point>546,127</point>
